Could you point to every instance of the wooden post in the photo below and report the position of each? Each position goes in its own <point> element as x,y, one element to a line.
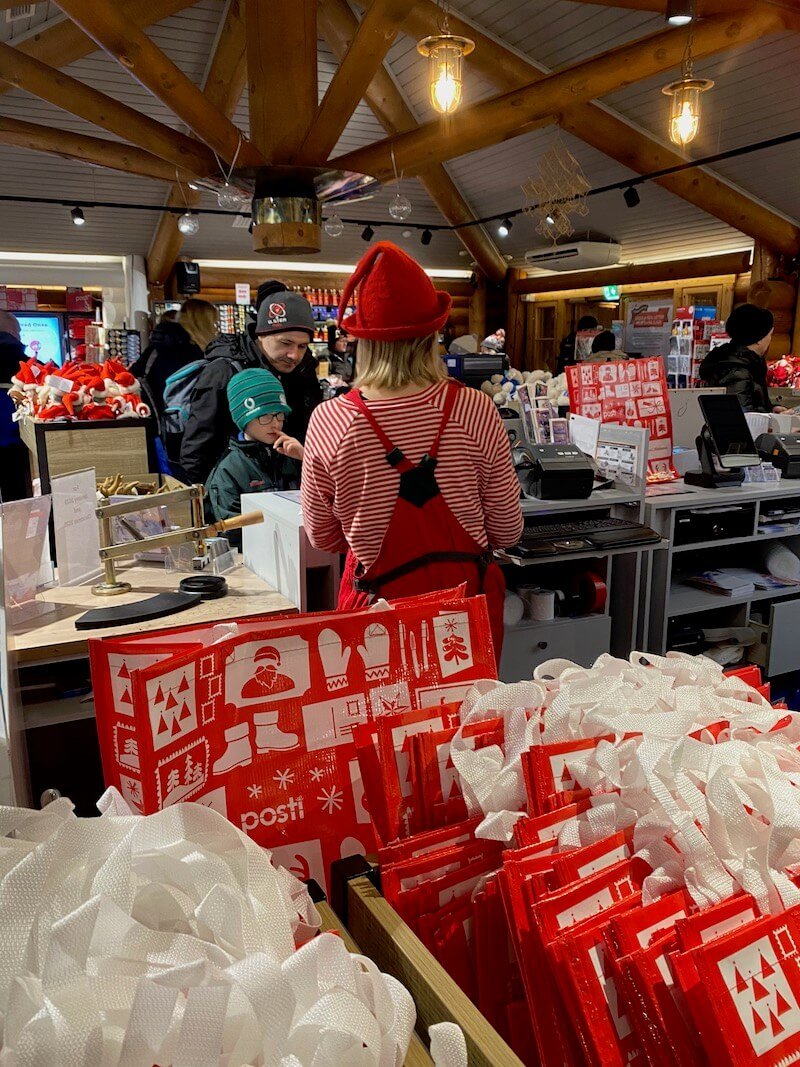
<point>477,309</point>
<point>515,320</point>
<point>281,74</point>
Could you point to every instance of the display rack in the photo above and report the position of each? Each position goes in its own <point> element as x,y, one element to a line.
<point>233,318</point>
<point>667,599</point>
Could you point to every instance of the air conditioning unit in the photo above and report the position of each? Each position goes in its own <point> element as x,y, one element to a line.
<point>582,255</point>
<point>19,12</point>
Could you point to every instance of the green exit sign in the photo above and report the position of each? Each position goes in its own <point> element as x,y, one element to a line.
<point>611,292</point>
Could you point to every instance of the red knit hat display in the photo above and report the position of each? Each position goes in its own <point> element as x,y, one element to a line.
<point>396,298</point>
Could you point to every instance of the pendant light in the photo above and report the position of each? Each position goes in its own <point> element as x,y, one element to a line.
<point>684,115</point>
<point>680,12</point>
<point>445,53</point>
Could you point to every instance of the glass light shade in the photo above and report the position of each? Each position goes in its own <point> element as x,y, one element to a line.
<point>400,207</point>
<point>684,115</point>
<point>445,53</point>
<point>333,226</point>
<point>188,224</point>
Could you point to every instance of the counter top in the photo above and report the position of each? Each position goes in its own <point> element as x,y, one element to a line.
<point>52,635</point>
<point>694,496</point>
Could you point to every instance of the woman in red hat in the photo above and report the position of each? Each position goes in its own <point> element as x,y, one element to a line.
<point>410,472</point>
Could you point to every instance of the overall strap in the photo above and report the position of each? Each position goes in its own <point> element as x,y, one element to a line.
<point>393,454</point>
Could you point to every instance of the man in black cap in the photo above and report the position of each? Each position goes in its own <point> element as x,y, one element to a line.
<point>740,365</point>
<point>280,341</point>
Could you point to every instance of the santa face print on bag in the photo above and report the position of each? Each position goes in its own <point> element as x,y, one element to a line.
<point>262,670</point>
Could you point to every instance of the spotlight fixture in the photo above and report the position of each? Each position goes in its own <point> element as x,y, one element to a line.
<point>188,224</point>
<point>77,216</point>
<point>427,237</point>
<point>550,220</point>
<point>194,186</point>
<point>505,227</point>
<point>631,197</point>
<point>367,233</point>
<point>333,226</point>
<point>680,12</point>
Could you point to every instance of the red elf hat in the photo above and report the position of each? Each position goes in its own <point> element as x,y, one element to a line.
<point>396,298</point>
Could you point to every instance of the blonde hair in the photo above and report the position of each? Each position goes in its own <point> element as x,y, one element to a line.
<point>199,319</point>
<point>395,364</point>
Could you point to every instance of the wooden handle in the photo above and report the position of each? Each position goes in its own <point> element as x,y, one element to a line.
<point>252,518</point>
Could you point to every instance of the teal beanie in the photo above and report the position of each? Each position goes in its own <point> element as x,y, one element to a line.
<point>255,392</point>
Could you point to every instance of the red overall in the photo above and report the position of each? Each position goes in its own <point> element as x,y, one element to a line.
<point>425,547</point>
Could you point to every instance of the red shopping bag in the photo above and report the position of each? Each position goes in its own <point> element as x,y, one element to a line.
<point>259,724</point>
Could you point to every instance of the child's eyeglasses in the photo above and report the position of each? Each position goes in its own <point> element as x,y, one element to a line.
<point>265,420</point>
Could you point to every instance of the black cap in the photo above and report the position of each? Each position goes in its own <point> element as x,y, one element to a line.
<point>749,324</point>
<point>284,311</point>
<point>267,289</point>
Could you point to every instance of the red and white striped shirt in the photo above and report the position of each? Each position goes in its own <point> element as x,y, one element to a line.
<point>349,490</point>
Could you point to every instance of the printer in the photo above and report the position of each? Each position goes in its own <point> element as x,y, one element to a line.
<point>782,450</point>
<point>554,472</point>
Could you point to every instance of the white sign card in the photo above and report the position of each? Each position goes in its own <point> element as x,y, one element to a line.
<point>584,432</point>
<point>243,293</point>
<point>76,526</point>
<point>648,327</point>
<point>622,453</point>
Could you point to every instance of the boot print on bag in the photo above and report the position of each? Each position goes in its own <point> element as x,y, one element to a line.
<point>269,737</point>
<point>238,753</point>
<point>267,681</point>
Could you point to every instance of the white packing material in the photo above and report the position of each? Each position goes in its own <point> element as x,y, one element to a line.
<point>131,940</point>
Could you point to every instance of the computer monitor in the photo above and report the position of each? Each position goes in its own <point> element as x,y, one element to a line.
<point>729,432</point>
<point>42,333</point>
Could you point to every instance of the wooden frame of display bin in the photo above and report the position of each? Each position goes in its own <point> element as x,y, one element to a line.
<point>373,924</point>
<point>61,447</point>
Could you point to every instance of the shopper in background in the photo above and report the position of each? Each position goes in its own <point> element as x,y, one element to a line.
<point>604,348</point>
<point>260,458</point>
<point>279,340</point>
<point>740,365</point>
<point>566,351</point>
<point>14,465</point>
<point>411,472</point>
<point>173,344</point>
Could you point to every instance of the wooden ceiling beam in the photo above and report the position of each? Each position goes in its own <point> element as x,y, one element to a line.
<point>69,94</point>
<point>224,86</point>
<point>338,26</point>
<point>108,25</point>
<point>635,273</point>
<point>613,136</point>
<point>493,121</point>
<point>61,43</point>
<point>281,78</point>
<point>375,36</point>
<point>94,150</point>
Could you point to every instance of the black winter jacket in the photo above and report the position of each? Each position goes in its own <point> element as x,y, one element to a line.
<point>170,348</point>
<point>210,426</point>
<point>742,371</point>
<point>247,467</point>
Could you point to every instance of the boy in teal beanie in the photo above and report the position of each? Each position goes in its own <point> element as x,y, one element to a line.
<point>262,458</point>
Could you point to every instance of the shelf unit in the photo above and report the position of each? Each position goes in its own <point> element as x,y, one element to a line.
<point>664,596</point>
<point>583,638</point>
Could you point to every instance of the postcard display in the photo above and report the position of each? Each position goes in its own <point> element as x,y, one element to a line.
<point>255,719</point>
<point>629,392</point>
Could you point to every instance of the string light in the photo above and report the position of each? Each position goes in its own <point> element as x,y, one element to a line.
<point>445,53</point>
<point>684,116</point>
<point>189,224</point>
<point>631,197</point>
<point>77,216</point>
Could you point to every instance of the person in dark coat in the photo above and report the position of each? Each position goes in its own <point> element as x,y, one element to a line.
<point>173,344</point>
<point>279,341</point>
<point>740,365</point>
<point>14,462</point>
<point>261,458</point>
<point>566,351</point>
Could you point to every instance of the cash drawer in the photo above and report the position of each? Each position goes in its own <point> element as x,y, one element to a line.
<point>529,644</point>
<point>778,649</point>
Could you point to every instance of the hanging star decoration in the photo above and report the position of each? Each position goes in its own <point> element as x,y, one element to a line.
<point>557,192</point>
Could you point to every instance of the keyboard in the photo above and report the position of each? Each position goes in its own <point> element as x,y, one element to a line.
<point>549,537</point>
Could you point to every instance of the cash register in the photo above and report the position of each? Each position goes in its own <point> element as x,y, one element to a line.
<point>782,450</point>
